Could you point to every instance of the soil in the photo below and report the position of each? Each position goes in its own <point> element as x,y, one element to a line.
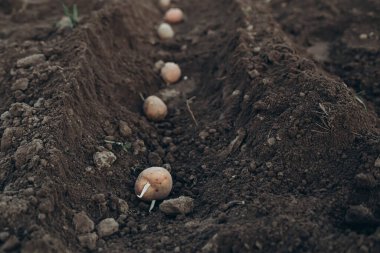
<point>282,154</point>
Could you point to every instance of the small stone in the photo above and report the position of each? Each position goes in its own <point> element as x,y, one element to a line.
<point>257,49</point>
<point>252,166</point>
<point>203,135</point>
<point>107,227</point>
<point>104,159</point>
<point>181,205</point>
<point>27,151</point>
<point>124,128</point>
<point>122,206</point>
<point>31,60</point>
<point>167,166</point>
<point>213,130</point>
<point>46,206</point>
<point>253,73</point>
<point>365,181</point>
<point>167,140</point>
<point>88,240</point>
<point>88,169</point>
<point>39,103</point>
<point>10,244</point>
<point>4,236</point>
<point>377,162</point>
<point>82,223</point>
<point>20,84</point>
<point>177,249</point>
<point>271,141</point>
<point>20,109</point>
<point>154,159</point>
<point>6,140</point>
<point>363,36</point>
<point>41,216</point>
<point>99,198</point>
<point>359,215</point>
<point>121,219</point>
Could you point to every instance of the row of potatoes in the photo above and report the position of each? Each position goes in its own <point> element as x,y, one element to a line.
<point>156,183</point>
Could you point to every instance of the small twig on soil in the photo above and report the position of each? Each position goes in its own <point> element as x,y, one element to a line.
<point>232,203</point>
<point>188,101</point>
<point>141,96</point>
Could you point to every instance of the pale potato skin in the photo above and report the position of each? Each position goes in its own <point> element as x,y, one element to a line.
<point>171,72</point>
<point>155,109</point>
<point>165,31</point>
<point>174,16</point>
<point>164,4</point>
<point>160,180</point>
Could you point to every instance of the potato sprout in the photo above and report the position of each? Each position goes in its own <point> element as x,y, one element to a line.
<point>170,72</point>
<point>154,183</point>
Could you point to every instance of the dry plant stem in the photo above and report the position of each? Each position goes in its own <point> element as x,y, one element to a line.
<point>188,101</point>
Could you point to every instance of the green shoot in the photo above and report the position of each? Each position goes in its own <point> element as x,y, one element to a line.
<point>72,14</point>
<point>126,146</point>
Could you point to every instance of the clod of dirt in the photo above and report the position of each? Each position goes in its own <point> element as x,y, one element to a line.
<point>365,181</point>
<point>6,139</point>
<point>360,215</point>
<point>20,84</point>
<point>377,162</point>
<point>122,206</point>
<point>20,109</point>
<point>25,152</point>
<point>124,128</point>
<point>46,206</point>
<point>88,240</point>
<point>4,236</point>
<point>31,60</point>
<point>165,31</point>
<point>181,205</point>
<point>12,243</point>
<point>154,159</point>
<point>107,227</point>
<point>82,223</point>
<point>104,159</point>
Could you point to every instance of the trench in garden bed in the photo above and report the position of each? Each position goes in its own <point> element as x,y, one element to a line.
<point>109,61</point>
<point>115,63</point>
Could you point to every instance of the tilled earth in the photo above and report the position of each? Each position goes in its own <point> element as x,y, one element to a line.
<point>282,154</point>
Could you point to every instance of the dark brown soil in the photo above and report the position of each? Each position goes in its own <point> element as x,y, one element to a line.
<point>284,156</point>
